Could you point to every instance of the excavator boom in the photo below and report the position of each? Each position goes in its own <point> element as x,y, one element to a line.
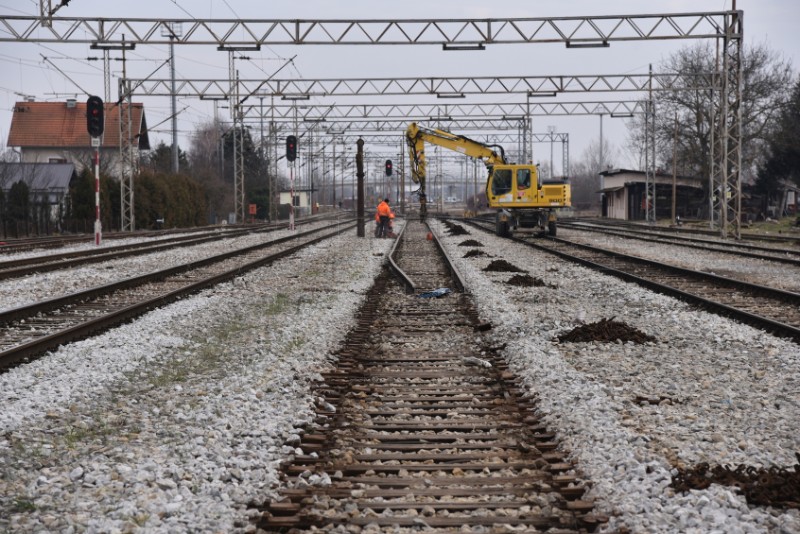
<point>417,136</point>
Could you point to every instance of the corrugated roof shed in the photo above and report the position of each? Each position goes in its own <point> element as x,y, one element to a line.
<point>59,125</point>
<point>38,176</point>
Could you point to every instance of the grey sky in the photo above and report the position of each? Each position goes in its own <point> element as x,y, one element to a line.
<point>24,72</point>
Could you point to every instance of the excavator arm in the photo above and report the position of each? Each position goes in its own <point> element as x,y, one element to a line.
<point>417,136</point>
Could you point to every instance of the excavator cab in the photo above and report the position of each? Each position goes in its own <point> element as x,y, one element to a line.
<point>514,186</point>
<point>524,202</point>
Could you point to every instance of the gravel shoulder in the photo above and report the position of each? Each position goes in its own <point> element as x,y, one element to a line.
<point>176,421</point>
<point>173,423</point>
<point>734,391</point>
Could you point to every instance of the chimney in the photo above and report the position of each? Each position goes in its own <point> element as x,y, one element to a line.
<point>71,103</point>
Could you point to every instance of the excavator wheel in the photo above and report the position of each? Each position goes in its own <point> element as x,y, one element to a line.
<point>501,228</point>
<point>551,228</point>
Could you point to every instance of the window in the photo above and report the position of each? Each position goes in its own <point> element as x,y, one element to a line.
<point>523,178</point>
<point>501,181</point>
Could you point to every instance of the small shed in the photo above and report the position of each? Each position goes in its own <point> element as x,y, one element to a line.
<point>301,198</point>
<point>48,185</point>
<point>624,196</point>
<point>302,203</point>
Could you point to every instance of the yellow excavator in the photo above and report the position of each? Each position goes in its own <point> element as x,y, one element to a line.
<point>523,202</point>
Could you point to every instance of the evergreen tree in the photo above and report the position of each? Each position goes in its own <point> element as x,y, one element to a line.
<point>160,159</point>
<point>19,201</point>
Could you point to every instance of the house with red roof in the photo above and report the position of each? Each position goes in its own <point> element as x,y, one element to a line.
<point>55,132</point>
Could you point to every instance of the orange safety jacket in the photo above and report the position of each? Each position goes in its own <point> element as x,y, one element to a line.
<point>383,209</point>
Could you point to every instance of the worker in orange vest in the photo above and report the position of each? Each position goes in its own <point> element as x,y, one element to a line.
<point>383,212</point>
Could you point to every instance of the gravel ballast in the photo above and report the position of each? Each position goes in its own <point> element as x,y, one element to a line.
<point>174,422</point>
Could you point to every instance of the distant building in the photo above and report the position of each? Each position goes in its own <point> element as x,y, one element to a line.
<point>55,132</point>
<point>624,196</point>
<point>302,203</point>
<point>48,188</point>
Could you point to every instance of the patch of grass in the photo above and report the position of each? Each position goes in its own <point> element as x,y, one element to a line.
<point>174,373</point>
<point>277,305</point>
<point>75,435</point>
<point>295,343</point>
<point>210,353</point>
<point>781,226</point>
<point>23,505</point>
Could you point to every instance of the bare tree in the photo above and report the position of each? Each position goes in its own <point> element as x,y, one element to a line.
<point>204,152</point>
<point>9,155</point>
<point>766,82</point>
<point>206,161</point>
<point>585,179</point>
<point>598,159</point>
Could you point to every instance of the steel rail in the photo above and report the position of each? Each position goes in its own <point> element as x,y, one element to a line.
<point>19,353</point>
<point>55,262</point>
<point>417,391</point>
<point>736,248</point>
<point>406,279</point>
<point>747,236</point>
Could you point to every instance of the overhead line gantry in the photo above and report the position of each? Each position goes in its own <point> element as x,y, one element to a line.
<point>451,34</point>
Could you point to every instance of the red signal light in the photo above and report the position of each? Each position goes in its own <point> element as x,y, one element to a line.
<point>94,116</point>
<point>291,148</point>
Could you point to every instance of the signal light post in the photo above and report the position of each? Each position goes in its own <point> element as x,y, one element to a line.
<point>291,156</point>
<point>388,169</point>
<point>95,123</point>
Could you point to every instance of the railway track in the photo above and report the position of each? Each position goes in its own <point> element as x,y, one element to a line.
<point>422,426</point>
<point>29,331</point>
<point>792,241</point>
<point>53,262</point>
<point>780,255</point>
<point>49,242</point>
<point>764,307</point>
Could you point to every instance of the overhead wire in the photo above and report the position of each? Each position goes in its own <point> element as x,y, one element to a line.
<point>13,9</point>
<point>182,9</point>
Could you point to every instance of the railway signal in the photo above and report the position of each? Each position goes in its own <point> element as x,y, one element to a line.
<point>388,167</point>
<point>94,116</point>
<point>291,148</point>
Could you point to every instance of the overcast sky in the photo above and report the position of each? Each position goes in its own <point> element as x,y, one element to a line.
<point>773,22</point>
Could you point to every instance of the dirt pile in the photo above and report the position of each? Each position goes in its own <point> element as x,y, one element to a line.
<point>605,330</point>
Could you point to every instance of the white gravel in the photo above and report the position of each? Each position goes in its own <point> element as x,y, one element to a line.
<point>174,422</point>
<point>26,290</point>
<point>735,390</point>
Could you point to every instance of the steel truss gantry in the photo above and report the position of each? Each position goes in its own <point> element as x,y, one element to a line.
<point>441,87</point>
<point>433,112</point>
<point>591,31</point>
<point>517,139</point>
<point>489,139</point>
<point>448,33</point>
